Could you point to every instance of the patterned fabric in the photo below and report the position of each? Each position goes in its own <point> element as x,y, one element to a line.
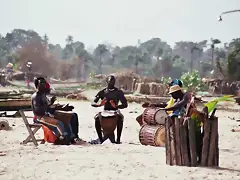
<point>56,126</point>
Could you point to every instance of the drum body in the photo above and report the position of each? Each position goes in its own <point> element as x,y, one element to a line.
<point>154,116</point>
<point>152,135</point>
<point>108,123</point>
<point>63,116</point>
<point>140,120</point>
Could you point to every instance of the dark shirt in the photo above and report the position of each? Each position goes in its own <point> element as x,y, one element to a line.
<point>180,103</point>
<point>115,95</point>
<point>39,103</point>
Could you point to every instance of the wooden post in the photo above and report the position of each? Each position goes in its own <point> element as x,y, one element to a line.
<point>173,142</point>
<point>206,140</point>
<point>168,140</point>
<point>178,142</point>
<point>184,147</point>
<point>213,144</point>
<point>217,148</point>
<point>192,142</point>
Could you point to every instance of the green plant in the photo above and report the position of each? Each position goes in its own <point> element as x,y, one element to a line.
<point>192,81</point>
<point>166,80</point>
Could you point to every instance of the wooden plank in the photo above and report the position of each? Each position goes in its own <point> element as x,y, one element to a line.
<point>28,128</point>
<point>212,148</point>
<point>173,142</point>
<point>206,129</point>
<point>192,142</point>
<point>29,137</point>
<point>178,142</point>
<point>184,147</point>
<point>168,142</point>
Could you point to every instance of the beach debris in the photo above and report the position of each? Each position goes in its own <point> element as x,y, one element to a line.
<point>4,125</point>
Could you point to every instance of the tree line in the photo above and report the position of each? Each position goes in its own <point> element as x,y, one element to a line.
<point>154,57</point>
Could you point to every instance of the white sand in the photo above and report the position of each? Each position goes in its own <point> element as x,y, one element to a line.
<point>129,160</point>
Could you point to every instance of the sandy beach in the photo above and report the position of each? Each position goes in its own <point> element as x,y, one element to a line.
<point>129,160</point>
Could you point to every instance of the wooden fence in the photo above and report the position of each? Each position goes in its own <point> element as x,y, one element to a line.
<point>186,145</point>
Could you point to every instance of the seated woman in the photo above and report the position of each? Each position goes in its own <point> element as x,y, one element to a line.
<point>40,106</point>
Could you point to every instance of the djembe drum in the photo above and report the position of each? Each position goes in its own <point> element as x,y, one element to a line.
<point>64,116</point>
<point>108,122</point>
<point>154,116</point>
<point>152,135</point>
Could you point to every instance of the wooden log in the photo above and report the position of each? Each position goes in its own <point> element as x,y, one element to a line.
<point>206,130</point>
<point>217,145</point>
<point>212,148</point>
<point>184,147</point>
<point>173,142</point>
<point>16,102</point>
<point>167,143</point>
<point>14,108</point>
<point>178,142</point>
<point>192,142</point>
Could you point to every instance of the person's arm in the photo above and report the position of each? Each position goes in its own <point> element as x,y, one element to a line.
<point>123,100</point>
<point>161,105</point>
<point>179,104</point>
<point>97,98</point>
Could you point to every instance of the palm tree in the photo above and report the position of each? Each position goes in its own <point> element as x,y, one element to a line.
<point>69,39</point>
<point>213,42</point>
<point>100,51</point>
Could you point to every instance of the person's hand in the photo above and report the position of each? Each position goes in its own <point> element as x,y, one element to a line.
<point>145,105</point>
<point>95,105</point>
<point>113,104</point>
<point>152,105</point>
<point>53,99</point>
<point>103,102</point>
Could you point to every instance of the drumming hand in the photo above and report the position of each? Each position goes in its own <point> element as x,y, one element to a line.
<point>103,102</point>
<point>95,105</point>
<point>53,99</point>
<point>113,104</point>
<point>145,105</point>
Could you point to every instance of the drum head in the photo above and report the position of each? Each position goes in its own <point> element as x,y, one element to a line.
<point>108,113</point>
<point>160,136</point>
<point>160,117</point>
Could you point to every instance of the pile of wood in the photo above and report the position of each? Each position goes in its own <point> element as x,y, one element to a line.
<point>126,80</point>
<point>77,96</point>
<point>220,86</point>
<point>20,76</point>
<point>152,88</point>
<point>144,99</point>
<point>181,145</point>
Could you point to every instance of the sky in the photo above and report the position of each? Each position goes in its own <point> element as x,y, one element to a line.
<point>122,22</point>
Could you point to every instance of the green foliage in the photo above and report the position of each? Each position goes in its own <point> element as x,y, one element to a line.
<point>166,80</point>
<point>192,81</point>
<point>153,57</point>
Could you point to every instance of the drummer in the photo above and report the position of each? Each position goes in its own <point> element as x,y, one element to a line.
<point>111,95</point>
<point>162,105</point>
<point>40,105</point>
<point>181,100</point>
<point>74,123</point>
